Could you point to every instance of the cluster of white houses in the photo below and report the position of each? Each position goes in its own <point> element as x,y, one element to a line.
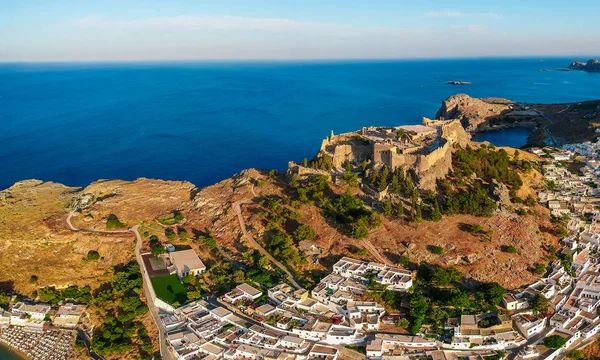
<point>39,331</point>
<point>199,330</point>
<point>38,317</point>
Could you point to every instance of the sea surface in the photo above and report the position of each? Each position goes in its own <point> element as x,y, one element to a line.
<point>513,137</point>
<point>6,354</point>
<point>75,123</point>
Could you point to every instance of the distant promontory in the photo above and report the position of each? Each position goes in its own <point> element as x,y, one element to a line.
<point>592,65</point>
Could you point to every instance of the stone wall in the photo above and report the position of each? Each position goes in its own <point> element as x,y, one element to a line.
<point>305,172</point>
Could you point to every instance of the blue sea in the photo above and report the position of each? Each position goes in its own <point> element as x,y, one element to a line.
<point>6,354</point>
<point>204,121</point>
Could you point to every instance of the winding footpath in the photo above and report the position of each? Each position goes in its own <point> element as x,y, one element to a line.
<point>237,207</point>
<point>164,351</point>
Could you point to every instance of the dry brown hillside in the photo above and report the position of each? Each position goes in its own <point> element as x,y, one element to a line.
<point>35,239</point>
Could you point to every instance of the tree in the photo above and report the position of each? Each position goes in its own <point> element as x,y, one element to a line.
<point>493,293</point>
<point>539,304</point>
<point>157,250</point>
<point>33,279</point>
<point>305,162</point>
<point>445,277</point>
<point>263,262</point>
<point>555,341</point>
<point>402,323</point>
<point>438,250</point>
<point>510,249</point>
<point>239,276</point>
<point>4,298</point>
<point>576,355</point>
<point>403,260</point>
<point>193,295</point>
<point>305,232</point>
<point>388,208</point>
<point>418,215</point>
<point>540,269</point>
<point>400,209</point>
<point>436,214</point>
<point>418,308</point>
<point>363,166</point>
<point>93,255</point>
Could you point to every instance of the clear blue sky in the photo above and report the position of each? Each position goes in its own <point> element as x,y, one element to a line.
<point>82,30</point>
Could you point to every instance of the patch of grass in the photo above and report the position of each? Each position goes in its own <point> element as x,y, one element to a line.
<point>112,222</point>
<point>169,289</point>
<point>171,219</point>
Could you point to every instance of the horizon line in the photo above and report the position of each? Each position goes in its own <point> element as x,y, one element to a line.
<point>273,60</point>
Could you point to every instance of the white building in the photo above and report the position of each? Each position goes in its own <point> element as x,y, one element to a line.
<point>243,292</point>
<point>186,262</point>
<point>68,316</point>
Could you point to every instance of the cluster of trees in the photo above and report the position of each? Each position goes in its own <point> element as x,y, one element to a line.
<point>487,163</point>
<point>324,162</point>
<point>193,289</point>
<point>401,182</point>
<point>474,200</point>
<point>277,212</point>
<point>281,246</point>
<point>120,304</point>
<point>54,296</point>
<point>439,294</point>
<point>350,211</point>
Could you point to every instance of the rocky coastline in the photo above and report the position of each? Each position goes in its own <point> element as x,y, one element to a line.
<point>592,65</point>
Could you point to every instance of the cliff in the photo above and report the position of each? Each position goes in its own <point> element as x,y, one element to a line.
<point>592,65</point>
<point>472,112</point>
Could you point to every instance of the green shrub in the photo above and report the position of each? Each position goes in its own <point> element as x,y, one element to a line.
<point>93,255</point>
<point>435,249</point>
<point>171,219</point>
<point>112,222</point>
<point>510,249</point>
<point>555,341</point>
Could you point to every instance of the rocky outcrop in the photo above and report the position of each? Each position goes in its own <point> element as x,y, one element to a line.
<point>592,65</point>
<point>500,193</point>
<point>470,111</point>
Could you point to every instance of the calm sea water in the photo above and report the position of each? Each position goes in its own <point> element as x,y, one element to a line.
<point>513,137</point>
<point>203,122</point>
<point>6,354</point>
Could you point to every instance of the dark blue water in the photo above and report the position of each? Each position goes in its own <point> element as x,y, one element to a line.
<point>203,122</point>
<point>6,354</point>
<point>513,137</point>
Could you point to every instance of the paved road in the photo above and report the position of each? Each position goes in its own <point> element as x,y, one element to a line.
<point>550,136</point>
<point>164,350</point>
<point>91,353</point>
<point>237,207</point>
<point>534,340</point>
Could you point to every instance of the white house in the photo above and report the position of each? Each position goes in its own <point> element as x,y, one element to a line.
<point>243,292</point>
<point>529,325</point>
<point>68,315</point>
<point>186,262</point>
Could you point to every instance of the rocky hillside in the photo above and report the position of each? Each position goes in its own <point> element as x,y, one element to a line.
<point>471,111</point>
<point>35,240</point>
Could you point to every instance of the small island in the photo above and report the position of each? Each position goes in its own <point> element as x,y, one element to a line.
<point>592,65</point>
<point>459,82</point>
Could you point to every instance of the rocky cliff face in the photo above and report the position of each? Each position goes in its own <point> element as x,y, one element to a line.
<point>470,111</point>
<point>592,65</point>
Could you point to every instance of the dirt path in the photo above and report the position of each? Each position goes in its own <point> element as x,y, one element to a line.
<point>373,250</point>
<point>164,351</point>
<point>237,207</point>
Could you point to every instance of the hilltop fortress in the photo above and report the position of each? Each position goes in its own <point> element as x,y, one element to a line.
<point>425,150</point>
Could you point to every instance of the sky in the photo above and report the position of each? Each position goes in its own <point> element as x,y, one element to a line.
<point>127,30</point>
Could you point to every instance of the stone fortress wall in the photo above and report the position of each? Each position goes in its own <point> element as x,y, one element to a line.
<point>428,163</point>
